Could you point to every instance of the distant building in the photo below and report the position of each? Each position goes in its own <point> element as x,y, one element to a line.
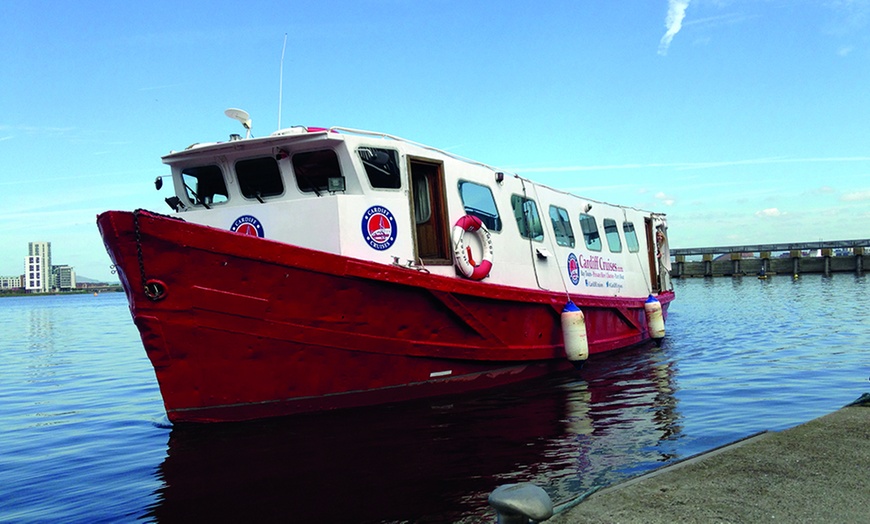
<point>37,267</point>
<point>10,283</point>
<point>63,278</point>
<point>33,275</point>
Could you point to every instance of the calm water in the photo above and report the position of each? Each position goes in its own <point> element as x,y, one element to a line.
<point>83,436</point>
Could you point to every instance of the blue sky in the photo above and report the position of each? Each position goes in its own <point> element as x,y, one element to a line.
<point>746,121</point>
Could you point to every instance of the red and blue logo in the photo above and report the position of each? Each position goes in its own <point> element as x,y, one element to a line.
<point>248,225</point>
<point>379,228</point>
<point>573,269</point>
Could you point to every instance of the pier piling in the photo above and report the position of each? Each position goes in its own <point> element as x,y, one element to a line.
<point>826,257</point>
<point>708,264</point>
<point>795,255</point>
<point>735,264</point>
<point>826,253</point>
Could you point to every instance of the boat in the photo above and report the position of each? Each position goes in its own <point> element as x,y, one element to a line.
<point>324,268</point>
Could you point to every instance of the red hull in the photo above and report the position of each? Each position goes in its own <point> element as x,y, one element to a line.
<point>252,328</point>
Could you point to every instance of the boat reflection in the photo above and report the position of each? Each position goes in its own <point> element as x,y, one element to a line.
<point>432,461</point>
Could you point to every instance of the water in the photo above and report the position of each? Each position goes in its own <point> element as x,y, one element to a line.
<point>83,436</point>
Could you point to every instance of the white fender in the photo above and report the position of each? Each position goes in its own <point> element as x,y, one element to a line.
<point>654,319</point>
<point>574,334</point>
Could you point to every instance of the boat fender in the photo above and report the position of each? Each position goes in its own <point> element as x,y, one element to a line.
<point>654,319</point>
<point>574,335</point>
<point>465,264</point>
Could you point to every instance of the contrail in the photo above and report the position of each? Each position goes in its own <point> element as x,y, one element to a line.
<point>673,23</point>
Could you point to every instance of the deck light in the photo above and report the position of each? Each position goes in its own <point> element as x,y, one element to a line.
<point>335,183</point>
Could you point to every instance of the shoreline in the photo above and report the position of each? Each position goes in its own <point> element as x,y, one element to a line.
<point>813,472</point>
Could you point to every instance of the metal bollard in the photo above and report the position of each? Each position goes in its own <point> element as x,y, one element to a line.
<point>521,503</point>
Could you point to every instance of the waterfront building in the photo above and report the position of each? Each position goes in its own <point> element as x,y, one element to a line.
<point>63,278</point>
<point>37,267</point>
<point>10,283</point>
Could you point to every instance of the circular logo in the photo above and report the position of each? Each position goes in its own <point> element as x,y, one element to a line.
<point>573,269</point>
<point>379,227</point>
<point>248,225</point>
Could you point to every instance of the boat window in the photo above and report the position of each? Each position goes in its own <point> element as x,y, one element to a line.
<point>590,232</point>
<point>526,215</point>
<point>478,201</point>
<point>611,232</point>
<point>313,169</point>
<point>204,185</point>
<point>630,237</point>
<point>382,167</point>
<point>562,226</point>
<point>259,177</point>
<point>422,202</point>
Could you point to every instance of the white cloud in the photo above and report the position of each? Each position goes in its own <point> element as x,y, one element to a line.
<point>855,196</point>
<point>665,199</point>
<point>673,23</point>
<point>770,212</point>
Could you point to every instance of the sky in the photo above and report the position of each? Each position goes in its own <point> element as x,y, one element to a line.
<point>745,121</point>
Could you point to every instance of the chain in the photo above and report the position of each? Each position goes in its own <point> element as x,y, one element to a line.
<point>153,289</point>
<point>139,256</point>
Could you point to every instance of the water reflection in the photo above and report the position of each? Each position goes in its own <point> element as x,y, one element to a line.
<point>433,461</point>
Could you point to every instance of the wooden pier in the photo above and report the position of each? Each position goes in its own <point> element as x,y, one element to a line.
<point>825,257</point>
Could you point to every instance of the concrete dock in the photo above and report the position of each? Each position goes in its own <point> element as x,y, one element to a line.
<point>816,472</point>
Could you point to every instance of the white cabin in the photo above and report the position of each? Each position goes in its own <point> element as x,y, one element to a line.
<point>380,198</point>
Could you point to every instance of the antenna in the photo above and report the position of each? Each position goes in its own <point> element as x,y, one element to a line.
<point>281,81</point>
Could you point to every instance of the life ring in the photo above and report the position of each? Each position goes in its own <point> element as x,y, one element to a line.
<point>462,253</point>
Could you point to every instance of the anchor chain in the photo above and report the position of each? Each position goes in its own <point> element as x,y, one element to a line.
<point>154,289</point>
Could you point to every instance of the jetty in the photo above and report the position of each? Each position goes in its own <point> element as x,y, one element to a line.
<point>815,472</point>
<point>796,258</point>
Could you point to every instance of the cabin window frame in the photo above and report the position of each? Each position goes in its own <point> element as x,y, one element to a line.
<point>192,193</point>
<point>591,236</point>
<point>630,233</point>
<point>611,233</point>
<point>527,223</point>
<point>373,171</point>
<point>318,190</point>
<point>493,223</point>
<point>562,228</point>
<point>247,180</point>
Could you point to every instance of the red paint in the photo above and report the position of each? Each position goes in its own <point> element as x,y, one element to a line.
<point>256,328</point>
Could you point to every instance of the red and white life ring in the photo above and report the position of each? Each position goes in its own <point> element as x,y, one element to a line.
<point>462,254</point>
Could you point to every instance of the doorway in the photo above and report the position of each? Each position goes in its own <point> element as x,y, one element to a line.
<point>432,241</point>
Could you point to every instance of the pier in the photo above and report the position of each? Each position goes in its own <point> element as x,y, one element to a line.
<point>815,472</point>
<point>825,257</point>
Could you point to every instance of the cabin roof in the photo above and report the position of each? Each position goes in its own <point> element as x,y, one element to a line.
<point>282,137</point>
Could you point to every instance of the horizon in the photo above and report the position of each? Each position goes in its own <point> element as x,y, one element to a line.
<point>744,122</point>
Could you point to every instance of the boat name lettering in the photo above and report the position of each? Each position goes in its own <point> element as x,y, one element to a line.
<point>600,263</point>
